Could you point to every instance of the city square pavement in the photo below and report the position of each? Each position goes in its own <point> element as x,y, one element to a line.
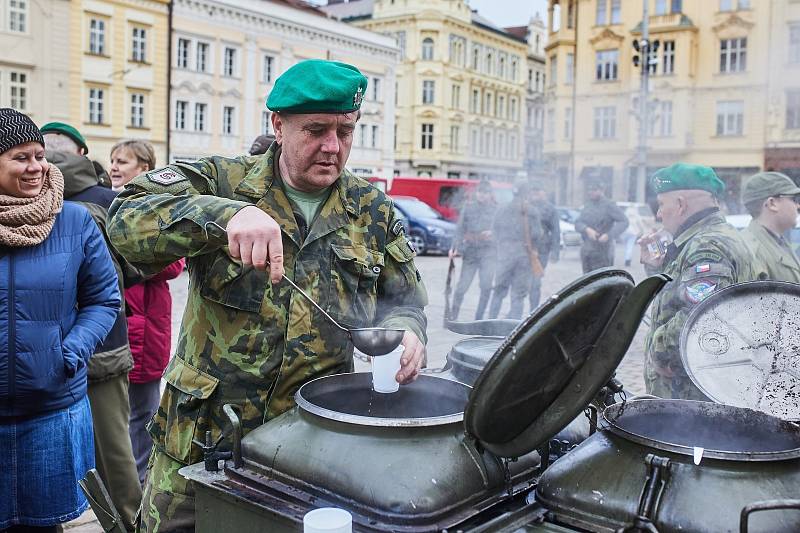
<point>434,273</point>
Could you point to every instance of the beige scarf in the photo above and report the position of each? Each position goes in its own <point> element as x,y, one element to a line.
<point>28,221</point>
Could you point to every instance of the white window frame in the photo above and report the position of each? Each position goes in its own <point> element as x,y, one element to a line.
<point>455,96</point>
<point>668,58</point>
<point>567,123</point>
<point>569,69</point>
<point>662,7</point>
<point>182,48</point>
<point>268,69</point>
<point>229,120</point>
<point>97,36</point>
<point>137,110</point>
<point>605,122</point>
<point>793,109</point>
<point>377,95</point>
<point>730,118</point>
<point>661,119</point>
<point>607,65</point>
<point>96,105</point>
<point>139,44</point>
<point>202,53</point>
<point>454,134</point>
<point>427,52</point>
<point>266,122</point>
<point>428,92</point>
<point>733,55</point>
<point>550,126</point>
<point>200,117</point>
<point>375,136</point>
<point>426,138</point>
<point>18,90</point>
<point>553,69</point>
<point>601,13</point>
<point>181,114</point>
<point>230,60</point>
<point>18,16</point>
<point>794,43</point>
<point>615,13</point>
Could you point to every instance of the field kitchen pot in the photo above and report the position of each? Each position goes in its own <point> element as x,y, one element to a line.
<point>437,455</point>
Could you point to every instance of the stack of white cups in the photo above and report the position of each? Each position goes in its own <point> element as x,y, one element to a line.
<point>385,369</point>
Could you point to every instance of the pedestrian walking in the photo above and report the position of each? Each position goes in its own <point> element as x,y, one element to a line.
<point>474,241</point>
<point>771,198</point>
<point>518,232</point>
<point>601,221</point>
<point>706,255</point>
<point>51,325</point>
<point>112,361</point>
<point>549,246</point>
<point>247,338</point>
<point>149,305</point>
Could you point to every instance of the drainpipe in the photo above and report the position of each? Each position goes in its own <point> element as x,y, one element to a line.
<point>169,74</point>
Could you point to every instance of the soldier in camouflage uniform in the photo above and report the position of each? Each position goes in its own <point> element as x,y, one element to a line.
<point>475,242</point>
<point>706,255</point>
<point>247,338</point>
<point>601,221</point>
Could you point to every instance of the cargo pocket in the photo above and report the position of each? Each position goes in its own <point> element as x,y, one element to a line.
<point>187,406</point>
<point>354,284</point>
<point>228,283</point>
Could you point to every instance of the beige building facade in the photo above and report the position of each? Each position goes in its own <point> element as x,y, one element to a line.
<point>118,73</point>
<point>227,56</point>
<point>708,86</point>
<point>461,87</point>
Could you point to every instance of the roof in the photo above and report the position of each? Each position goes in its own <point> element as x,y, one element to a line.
<point>354,9</point>
<point>520,32</point>
<point>482,22</point>
<point>303,6</point>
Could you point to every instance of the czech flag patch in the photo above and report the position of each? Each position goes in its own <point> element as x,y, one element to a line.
<point>702,268</point>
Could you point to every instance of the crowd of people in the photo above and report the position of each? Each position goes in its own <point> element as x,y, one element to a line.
<point>85,307</point>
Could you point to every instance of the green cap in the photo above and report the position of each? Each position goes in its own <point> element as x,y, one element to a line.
<point>766,184</point>
<point>318,86</point>
<point>682,176</point>
<point>65,129</point>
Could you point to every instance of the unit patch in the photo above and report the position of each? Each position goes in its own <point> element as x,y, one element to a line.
<point>397,227</point>
<point>699,290</point>
<point>165,176</point>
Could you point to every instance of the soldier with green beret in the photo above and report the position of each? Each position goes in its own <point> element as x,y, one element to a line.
<point>772,198</point>
<point>247,338</point>
<point>706,255</point>
<point>52,129</point>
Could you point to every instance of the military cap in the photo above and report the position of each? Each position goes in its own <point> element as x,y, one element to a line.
<point>69,131</point>
<point>318,86</point>
<point>681,176</point>
<point>765,184</point>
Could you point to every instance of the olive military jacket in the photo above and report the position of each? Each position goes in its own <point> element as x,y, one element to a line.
<point>244,340</point>
<point>709,255</point>
<point>778,260</point>
<point>474,220</point>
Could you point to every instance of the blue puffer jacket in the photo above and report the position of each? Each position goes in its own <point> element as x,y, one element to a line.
<point>58,301</point>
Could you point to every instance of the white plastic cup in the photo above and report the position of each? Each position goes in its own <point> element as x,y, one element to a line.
<point>328,520</point>
<point>384,371</point>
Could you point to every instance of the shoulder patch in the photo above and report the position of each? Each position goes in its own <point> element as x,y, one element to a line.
<point>398,227</point>
<point>165,176</point>
<point>699,290</point>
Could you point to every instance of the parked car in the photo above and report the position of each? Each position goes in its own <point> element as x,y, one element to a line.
<point>427,228</point>
<point>568,216</point>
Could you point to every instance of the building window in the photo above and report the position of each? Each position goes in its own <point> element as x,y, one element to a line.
<point>668,58</point>
<point>488,107</point>
<point>601,13</point>
<point>476,57</point>
<point>455,97</point>
<point>676,6</point>
<point>454,131</point>
<point>733,55</point>
<point>96,106</point>
<point>400,39</point>
<point>202,57</point>
<point>661,122</point>
<point>607,61</point>
<point>268,69</point>
<point>97,37</point>
<point>475,141</point>
<point>376,89</point>
<point>661,7</point>
<point>18,85</point>
<point>265,122</point>
<point>137,110</point>
<point>18,16</point>
<point>553,69</point>
<point>200,117</point>
<point>427,49</point>
<point>616,11</point>
<point>488,147</point>
<point>427,91</point>
<point>374,136</point>
<point>458,50</point>
<point>730,118</point>
<point>794,43</point>
<point>427,136</point>
<point>605,122</point>
<point>139,45</point>
<point>568,123</point>
<point>728,5</point>
<point>550,130</point>
<point>501,70</point>
<point>227,120</point>
<point>569,68</point>
<point>793,109</point>
<point>489,63</point>
<point>361,136</point>
<point>181,110</point>
<point>476,101</point>
<point>512,111</point>
<point>514,69</point>
<point>182,54</point>
<point>229,66</point>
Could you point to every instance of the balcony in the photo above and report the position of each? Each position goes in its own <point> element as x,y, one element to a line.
<point>667,22</point>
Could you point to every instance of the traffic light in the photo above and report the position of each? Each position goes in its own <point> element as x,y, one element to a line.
<point>646,49</point>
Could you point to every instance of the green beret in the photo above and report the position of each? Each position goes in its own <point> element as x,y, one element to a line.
<point>65,129</point>
<point>681,176</point>
<point>766,184</point>
<point>318,86</point>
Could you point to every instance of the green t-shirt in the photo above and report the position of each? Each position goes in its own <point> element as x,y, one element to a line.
<point>307,203</point>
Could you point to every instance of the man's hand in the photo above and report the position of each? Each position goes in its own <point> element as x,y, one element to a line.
<point>255,238</point>
<point>603,238</point>
<point>649,255</point>
<point>452,253</point>
<point>411,360</point>
<point>591,233</point>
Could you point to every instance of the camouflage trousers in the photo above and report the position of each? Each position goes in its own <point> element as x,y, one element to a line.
<point>168,499</point>
<point>678,387</point>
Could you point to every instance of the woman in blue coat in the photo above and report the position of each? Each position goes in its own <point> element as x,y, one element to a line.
<point>58,300</point>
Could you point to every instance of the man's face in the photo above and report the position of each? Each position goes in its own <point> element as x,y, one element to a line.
<point>314,148</point>
<point>671,211</point>
<point>595,194</point>
<point>786,211</point>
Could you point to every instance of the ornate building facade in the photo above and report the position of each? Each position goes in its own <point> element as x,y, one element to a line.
<point>461,87</point>
<point>226,58</point>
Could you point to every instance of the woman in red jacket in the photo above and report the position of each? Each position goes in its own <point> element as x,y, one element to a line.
<point>149,310</point>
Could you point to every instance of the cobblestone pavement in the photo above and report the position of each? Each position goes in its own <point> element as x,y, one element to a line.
<point>434,273</point>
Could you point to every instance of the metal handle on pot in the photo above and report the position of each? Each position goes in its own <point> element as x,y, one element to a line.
<point>236,437</point>
<point>766,505</point>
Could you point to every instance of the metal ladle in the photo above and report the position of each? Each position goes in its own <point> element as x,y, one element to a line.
<point>371,341</point>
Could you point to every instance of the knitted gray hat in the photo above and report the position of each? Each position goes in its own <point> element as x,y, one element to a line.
<point>16,129</point>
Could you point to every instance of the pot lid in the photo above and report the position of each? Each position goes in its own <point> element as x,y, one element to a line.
<point>547,370</point>
<point>475,351</point>
<point>741,347</point>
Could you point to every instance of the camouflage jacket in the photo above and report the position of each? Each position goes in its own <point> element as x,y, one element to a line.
<point>243,340</point>
<point>775,256</point>
<point>708,255</point>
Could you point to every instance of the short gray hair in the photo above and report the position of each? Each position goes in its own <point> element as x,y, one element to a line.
<point>56,142</point>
